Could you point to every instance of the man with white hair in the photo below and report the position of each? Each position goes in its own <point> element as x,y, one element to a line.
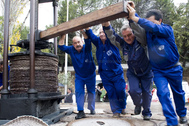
<point>139,73</point>
<point>84,67</point>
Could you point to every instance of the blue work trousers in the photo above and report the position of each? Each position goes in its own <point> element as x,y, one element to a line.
<point>173,76</point>
<point>140,90</point>
<point>115,87</point>
<point>80,92</point>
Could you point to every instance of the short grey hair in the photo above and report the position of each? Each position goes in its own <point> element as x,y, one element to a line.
<point>125,27</point>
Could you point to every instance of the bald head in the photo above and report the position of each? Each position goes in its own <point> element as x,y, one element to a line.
<point>77,43</point>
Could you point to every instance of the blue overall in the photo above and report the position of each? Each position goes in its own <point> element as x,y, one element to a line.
<point>140,76</point>
<point>139,72</point>
<point>164,57</point>
<point>111,72</point>
<point>84,67</point>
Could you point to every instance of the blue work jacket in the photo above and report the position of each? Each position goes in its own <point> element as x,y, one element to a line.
<point>163,52</point>
<point>137,59</point>
<point>83,62</point>
<point>113,58</point>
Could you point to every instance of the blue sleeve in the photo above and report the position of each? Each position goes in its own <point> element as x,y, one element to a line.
<point>118,38</point>
<point>88,46</point>
<point>92,36</point>
<point>159,30</point>
<point>65,48</point>
<point>131,21</point>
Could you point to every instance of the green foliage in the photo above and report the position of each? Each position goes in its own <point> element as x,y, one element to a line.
<point>181,31</point>
<point>94,54</point>
<point>142,6</point>
<point>66,79</point>
<point>15,38</point>
<point>24,32</point>
<point>16,9</point>
<point>167,8</point>
<point>49,26</point>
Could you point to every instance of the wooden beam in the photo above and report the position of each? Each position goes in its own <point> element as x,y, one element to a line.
<point>99,16</point>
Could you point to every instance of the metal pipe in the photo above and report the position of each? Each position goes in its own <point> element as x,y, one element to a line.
<point>5,91</point>
<point>66,55</point>
<point>55,5</point>
<point>36,21</point>
<point>32,90</point>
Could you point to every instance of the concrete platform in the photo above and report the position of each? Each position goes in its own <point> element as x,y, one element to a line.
<point>103,114</point>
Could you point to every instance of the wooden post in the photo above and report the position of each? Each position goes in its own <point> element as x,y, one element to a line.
<point>105,14</point>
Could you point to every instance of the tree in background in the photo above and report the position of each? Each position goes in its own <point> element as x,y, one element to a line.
<point>181,31</point>
<point>24,32</point>
<point>16,9</point>
<point>167,8</point>
<point>65,80</point>
<point>15,37</point>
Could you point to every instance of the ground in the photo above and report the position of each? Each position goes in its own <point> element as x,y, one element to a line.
<point>103,116</point>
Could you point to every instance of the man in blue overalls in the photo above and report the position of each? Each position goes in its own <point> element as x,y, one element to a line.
<point>110,70</point>
<point>139,71</point>
<point>164,57</point>
<point>84,67</point>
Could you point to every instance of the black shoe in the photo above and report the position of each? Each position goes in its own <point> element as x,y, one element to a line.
<point>116,115</point>
<point>93,112</point>
<point>80,115</point>
<point>123,111</point>
<point>137,110</point>
<point>183,120</point>
<point>147,117</point>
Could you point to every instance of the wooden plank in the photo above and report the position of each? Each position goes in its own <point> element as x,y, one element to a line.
<point>105,14</point>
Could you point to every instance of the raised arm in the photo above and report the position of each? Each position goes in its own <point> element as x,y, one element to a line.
<point>110,33</point>
<point>87,41</point>
<point>63,47</point>
<point>84,34</point>
<point>132,13</point>
<point>139,32</point>
<point>92,36</point>
<point>106,24</point>
<point>61,41</point>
